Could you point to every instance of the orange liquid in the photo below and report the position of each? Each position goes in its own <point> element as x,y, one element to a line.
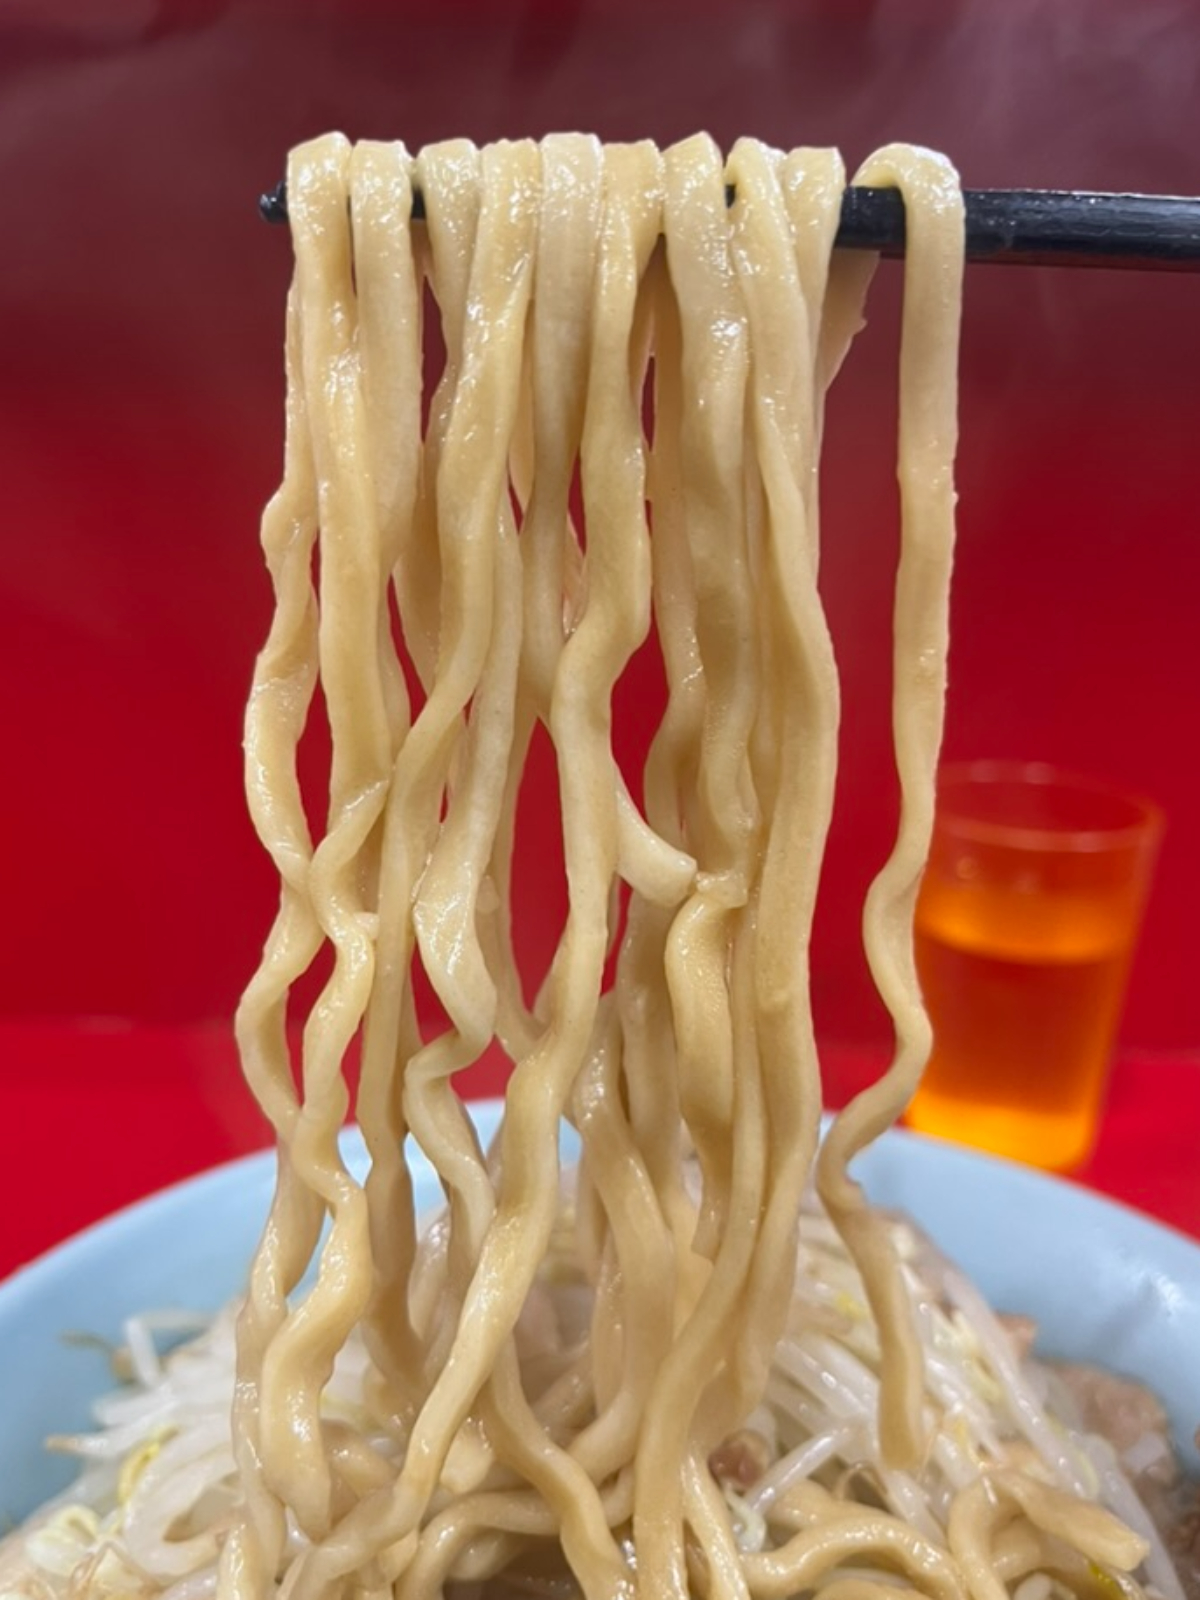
<point>1024,992</point>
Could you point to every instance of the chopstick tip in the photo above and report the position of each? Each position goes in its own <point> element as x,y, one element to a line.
<point>272,206</point>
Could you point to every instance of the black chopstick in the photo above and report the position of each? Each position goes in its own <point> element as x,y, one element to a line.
<point>1015,227</point>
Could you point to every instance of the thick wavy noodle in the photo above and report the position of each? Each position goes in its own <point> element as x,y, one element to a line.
<point>671,1370</point>
<point>928,438</point>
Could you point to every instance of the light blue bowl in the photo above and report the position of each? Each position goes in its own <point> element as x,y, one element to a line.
<point>1104,1283</point>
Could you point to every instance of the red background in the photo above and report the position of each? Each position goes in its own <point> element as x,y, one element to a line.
<point>140,431</point>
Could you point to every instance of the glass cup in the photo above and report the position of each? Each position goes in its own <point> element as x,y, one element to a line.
<point>1025,929</point>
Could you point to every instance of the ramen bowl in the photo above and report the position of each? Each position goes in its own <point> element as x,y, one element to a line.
<point>1104,1283</point>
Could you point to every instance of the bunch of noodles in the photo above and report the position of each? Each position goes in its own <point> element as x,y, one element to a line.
<point>624,434</point>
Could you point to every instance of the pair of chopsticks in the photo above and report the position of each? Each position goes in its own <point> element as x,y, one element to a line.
<point>1013,227</point>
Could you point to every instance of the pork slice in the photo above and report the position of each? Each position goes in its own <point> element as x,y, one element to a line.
<point>1129,1416</point>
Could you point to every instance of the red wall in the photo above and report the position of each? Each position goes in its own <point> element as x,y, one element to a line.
<point>140,423</point>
